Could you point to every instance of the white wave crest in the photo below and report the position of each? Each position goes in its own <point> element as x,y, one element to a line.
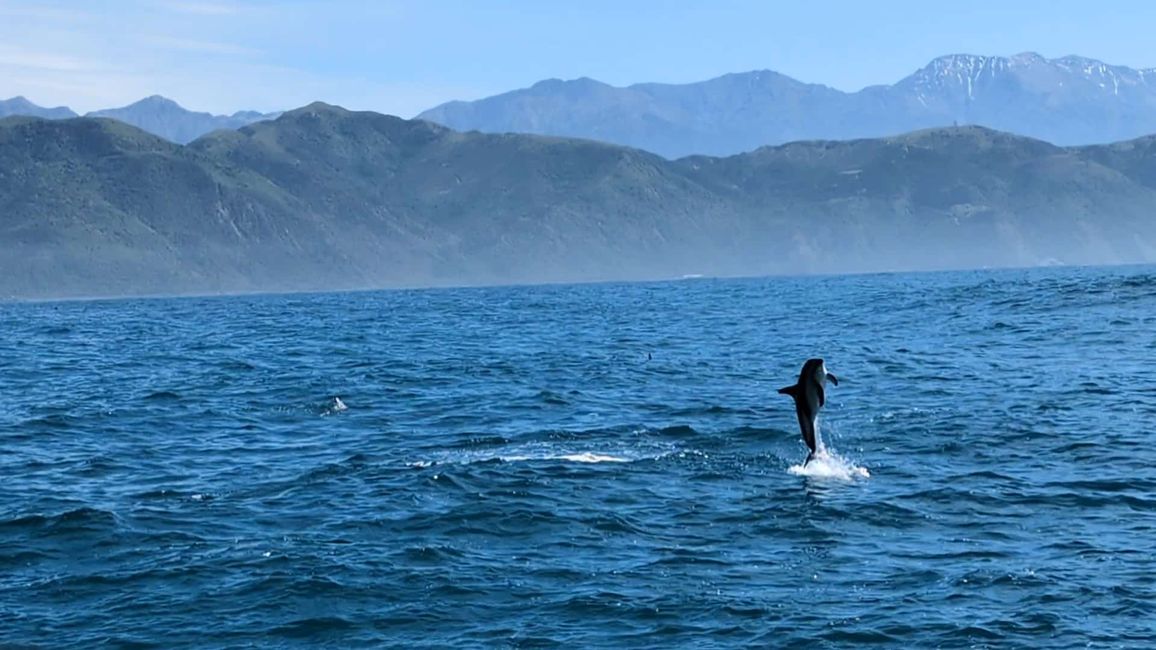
<point>533,453</point>
<point>588,457</point>
<point>582,457</point>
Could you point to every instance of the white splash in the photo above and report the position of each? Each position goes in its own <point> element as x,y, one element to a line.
<point>826,465</point>
<point>338,405</point>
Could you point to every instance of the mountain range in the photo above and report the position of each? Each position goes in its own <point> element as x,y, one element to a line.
<point>1067,101</point>
<point>322,198</point>
<point>157,115</point>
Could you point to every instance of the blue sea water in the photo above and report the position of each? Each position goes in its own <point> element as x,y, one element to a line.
<point>586,466</point>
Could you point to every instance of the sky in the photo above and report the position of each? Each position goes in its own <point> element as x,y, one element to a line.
<point>401,57</point>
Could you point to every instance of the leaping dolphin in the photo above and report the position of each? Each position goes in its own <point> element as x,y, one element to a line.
<point>809,397</point>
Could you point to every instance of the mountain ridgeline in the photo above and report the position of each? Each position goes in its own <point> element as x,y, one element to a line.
<point>323,198</point>
<point>21,106</point>
<point>1068,101</point>
<point>168,119</point>
<point>157,115</point>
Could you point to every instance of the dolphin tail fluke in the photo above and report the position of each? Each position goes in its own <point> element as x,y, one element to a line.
<point>809,457</point>
<point>793,390</point>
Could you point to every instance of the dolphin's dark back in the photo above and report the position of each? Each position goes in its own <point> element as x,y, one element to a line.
<point>809,398</point>
<point>802,411</point>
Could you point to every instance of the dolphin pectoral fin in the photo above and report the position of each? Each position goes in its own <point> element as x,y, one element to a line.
<point>822,395</point>
<point>793,390</point>
<point>833,379</point>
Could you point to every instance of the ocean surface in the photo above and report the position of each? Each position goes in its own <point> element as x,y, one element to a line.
<point>586,466</point>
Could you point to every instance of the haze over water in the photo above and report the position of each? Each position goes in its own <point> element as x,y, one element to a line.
<point>585,466</point>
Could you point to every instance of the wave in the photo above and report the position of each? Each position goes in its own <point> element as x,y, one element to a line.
<point>311,627</point>
<point>581,457</point>
<point>162,396</point>
<point>77,520</point>
<point>529,456</point>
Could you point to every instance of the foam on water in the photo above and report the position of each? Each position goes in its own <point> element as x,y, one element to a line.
<point>826,465</point>
<point>543,451</point>
<point>524,456</point>
<point>335,405</point>
<point>583,457</point>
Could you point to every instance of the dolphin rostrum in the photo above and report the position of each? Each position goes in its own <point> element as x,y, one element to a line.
<point>809,398</point>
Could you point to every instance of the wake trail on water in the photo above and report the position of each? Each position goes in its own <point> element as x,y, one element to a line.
<point>530,455</point>
<point>582,457</point>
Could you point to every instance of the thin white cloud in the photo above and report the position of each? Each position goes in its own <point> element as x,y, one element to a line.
<point>80,92</point>
<point>195,45</point>
<point>19,57</point>
<point>43,13</point>
<point>201,8</point>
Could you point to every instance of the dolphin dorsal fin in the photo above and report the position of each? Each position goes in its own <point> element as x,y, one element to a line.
<point>792,390</point>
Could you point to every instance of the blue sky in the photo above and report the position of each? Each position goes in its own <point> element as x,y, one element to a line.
<point>404,56</point>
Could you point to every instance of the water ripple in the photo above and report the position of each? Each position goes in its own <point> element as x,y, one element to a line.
<point>585,466</point>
